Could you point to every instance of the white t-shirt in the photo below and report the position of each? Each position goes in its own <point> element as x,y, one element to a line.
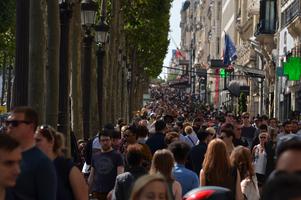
<point>260,160</point>
<point>250,188</point>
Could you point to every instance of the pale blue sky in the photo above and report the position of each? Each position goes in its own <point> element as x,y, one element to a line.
<point>175,32</point>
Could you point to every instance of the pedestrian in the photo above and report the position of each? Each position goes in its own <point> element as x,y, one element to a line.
<point>37,180</point>
<point>241,158</point>
<point>10,158</point>
<point>156,141</point>
<point>191,139</point>
<point>197,153</point>
<point>163,163</point>
<point>284,186</point>
<point>150,187</point>
<point>217,169</point>
<point>131,137</point>
<point>247,130</point>
<point>187,178</point>
<point>260,158</point>
<point>125,181</point>
<point>106,165</point>
<point>227,135</point>
<point>70,181</point>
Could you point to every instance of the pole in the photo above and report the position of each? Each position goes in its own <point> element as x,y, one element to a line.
<point>100,56</point>
<point>86,84</point>
<point>64,77</point>
<point>261,96</point>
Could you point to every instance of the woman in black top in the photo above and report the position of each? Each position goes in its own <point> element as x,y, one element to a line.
<point>217,170</point>
<point>71,184</point>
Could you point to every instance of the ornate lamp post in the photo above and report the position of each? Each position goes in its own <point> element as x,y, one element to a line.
<point>100,37</point>
<point>64,78</point>
<point>88,13</point>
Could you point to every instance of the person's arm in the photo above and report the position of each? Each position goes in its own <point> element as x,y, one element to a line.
<point>202,178</point>
<point>118,191</point>
<point>78,184</point>
<point>90,179</point>
<point>46,181</point>
<point>238,195</point>
<point>177,190</point>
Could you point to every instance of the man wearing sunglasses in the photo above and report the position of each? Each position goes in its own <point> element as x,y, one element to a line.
<point>247,130</point>
<point>37,180</point>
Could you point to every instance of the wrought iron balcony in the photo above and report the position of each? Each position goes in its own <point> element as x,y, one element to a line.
<point>290,13</point>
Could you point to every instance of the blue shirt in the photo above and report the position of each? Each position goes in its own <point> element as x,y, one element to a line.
<point>187,178</point>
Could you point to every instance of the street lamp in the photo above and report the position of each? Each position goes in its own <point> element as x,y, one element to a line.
<point>101,31</point>
<point>88,13</point>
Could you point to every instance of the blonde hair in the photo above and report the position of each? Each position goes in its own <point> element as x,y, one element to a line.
<point>188,130</point>
<point>211,130</point>
<point>51,135</point>
<point>143,181</point>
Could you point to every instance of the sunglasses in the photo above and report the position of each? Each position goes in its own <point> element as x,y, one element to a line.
<point>246,117</point>
<point>16,123</point>
<point>263,137</point>
<point>47,131</point>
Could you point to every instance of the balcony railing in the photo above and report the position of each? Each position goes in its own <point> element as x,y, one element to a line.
<point>289,14</point>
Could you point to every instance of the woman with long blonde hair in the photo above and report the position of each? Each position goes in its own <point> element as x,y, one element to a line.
<point>217,170</point>
<point>163,162</point>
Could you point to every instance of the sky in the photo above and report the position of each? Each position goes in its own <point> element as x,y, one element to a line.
<point>175,32</point>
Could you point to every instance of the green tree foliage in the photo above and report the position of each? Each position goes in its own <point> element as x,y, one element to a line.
<point>7,42</point>
<point>7,27</point>
<point>146,25</point>
<point>7,15</point>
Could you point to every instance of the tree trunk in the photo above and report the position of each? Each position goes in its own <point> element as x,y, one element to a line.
<point>94,117</point>
<point>100,83</point>
<point>20,87</point>
<point>37,55</point>
<point>76,92</point>
<point>3,77</point>
<point>52,70</point>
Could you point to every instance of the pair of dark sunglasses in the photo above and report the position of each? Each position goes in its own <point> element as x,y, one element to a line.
<point>47,131</point>
<point>15,123</point>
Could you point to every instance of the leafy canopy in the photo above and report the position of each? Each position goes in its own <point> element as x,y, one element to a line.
<point>146,25</point>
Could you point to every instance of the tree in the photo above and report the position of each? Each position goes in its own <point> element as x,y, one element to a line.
<point>37,57</point>
<point>146,26</point>
<point>52,70</point>
<point>76,94</point>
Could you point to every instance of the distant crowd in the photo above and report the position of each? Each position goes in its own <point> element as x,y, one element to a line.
<point>175,148</point>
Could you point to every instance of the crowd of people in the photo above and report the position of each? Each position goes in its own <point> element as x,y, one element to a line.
<point>175,148</point>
